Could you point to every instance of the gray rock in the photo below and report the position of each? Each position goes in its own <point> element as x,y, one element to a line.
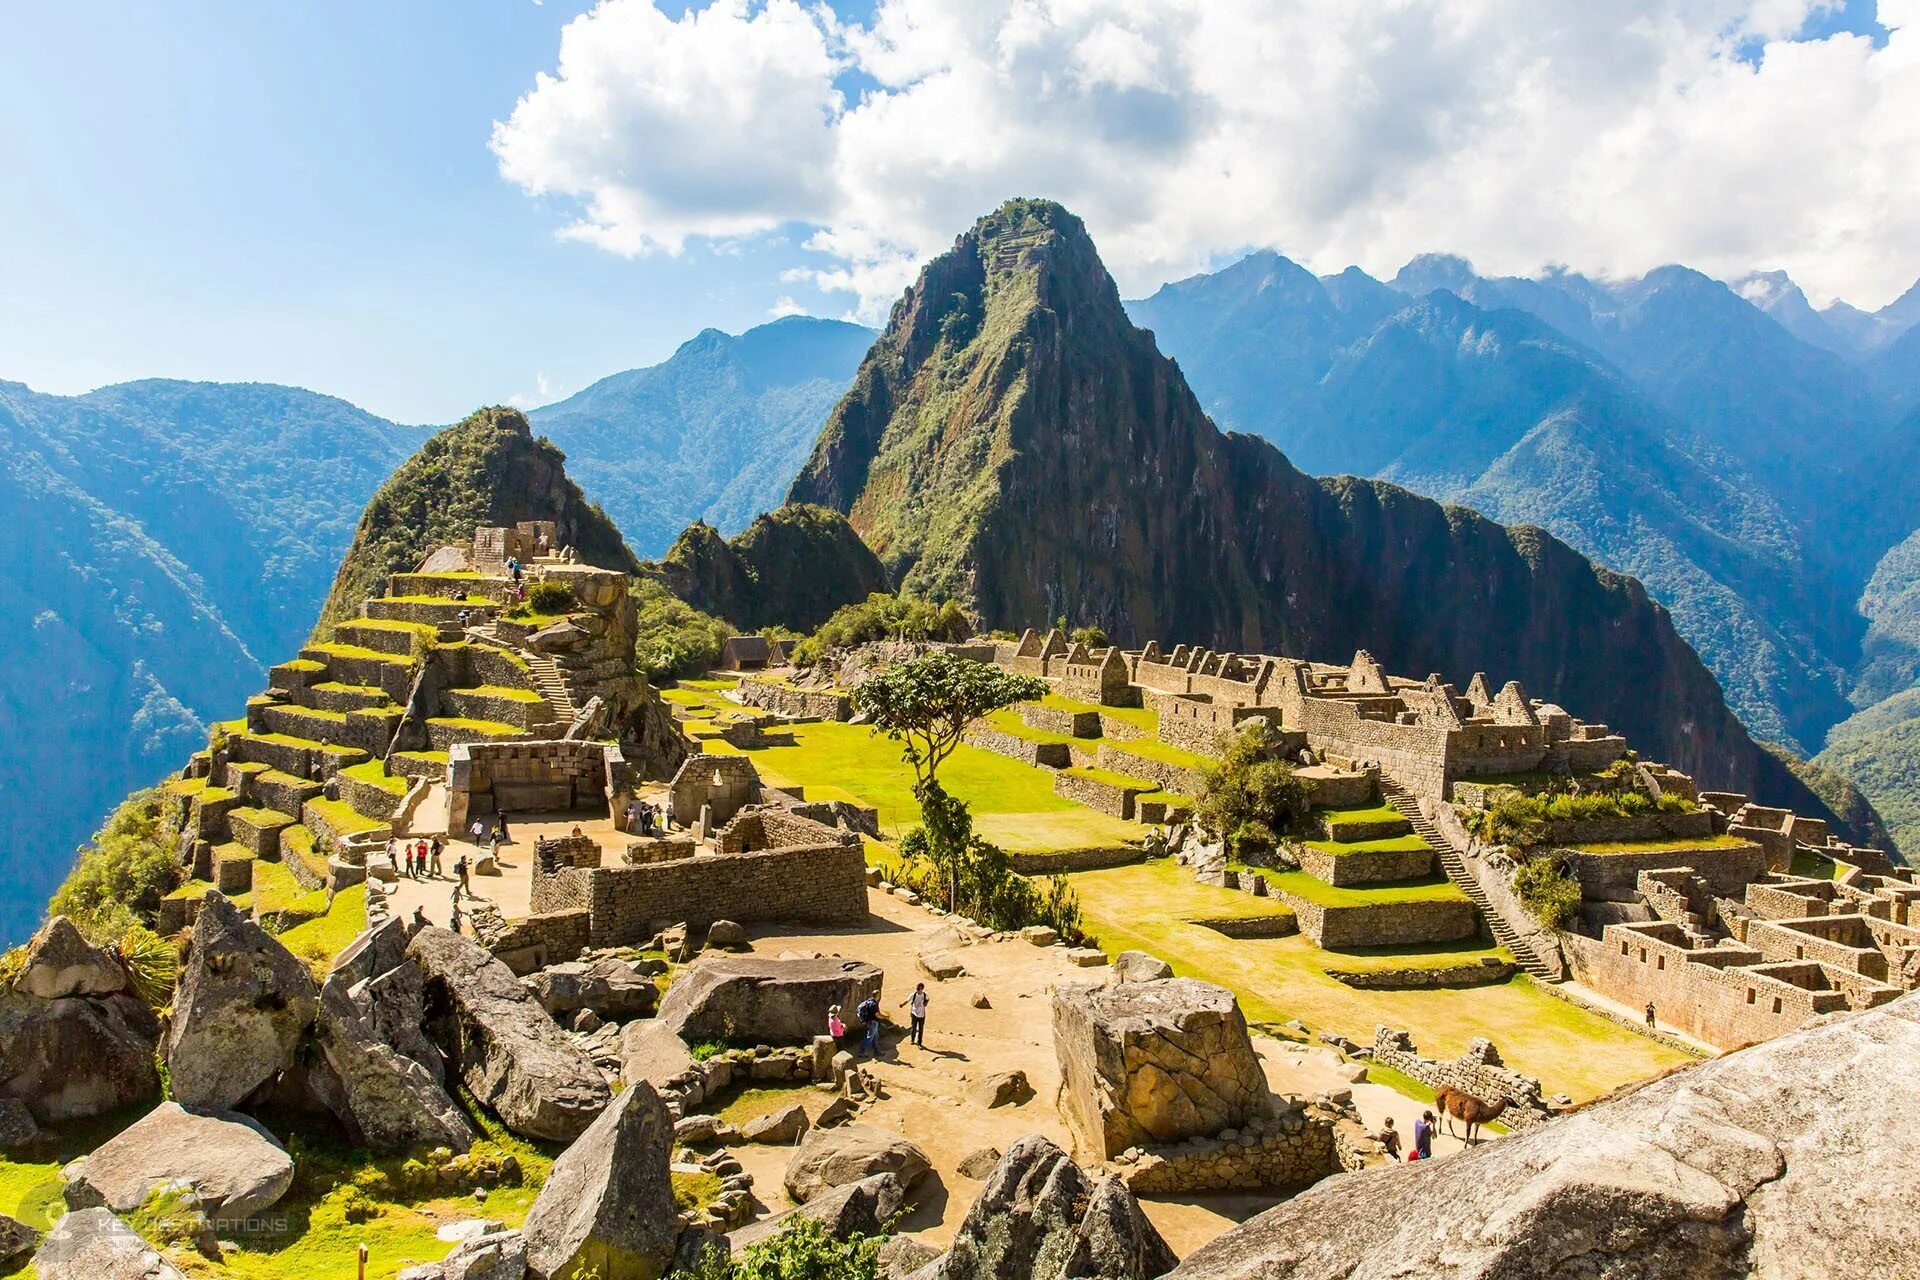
<point>1138,966</point>
<point>942,966</point>
<point>859,1208</point>
<point>1040,935</point>
<point>1154,1062</point>
<point>830,1158</point>
<point>586,1022</point>
<point>609,1201</point>
<point>242,1004</point>
<point>1002,1089</point>
<point>764,1001</point>
<point>388,1101</point>
<point>609,987</point>
<point>780,1128</point>
<point>234,1167</point>
<point>497,1255</point>
<point>651,1052</point>
<point>62,963</point>
<point>73,1058</point>
<point>390,992</point>
<point>20,1135</point>
<point>979,1165</point>
<point>726,935</point>
<point>1038,1216</point>
<point>16,1238</point>
<point>92,1244</point>
<point>501,1043</point>
<point>1791,1158</point>
<point>902,1255</point>
<point>696,1129</point>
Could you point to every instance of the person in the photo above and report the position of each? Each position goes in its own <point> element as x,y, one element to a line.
<point>835,1028</point>
<point>479,829</point>
<point>577,831</point>
<point>500,827</point>
<point>460,869</point>
<point>633,817</point>
<point>434,851</point>
<point>917,1012</point>
<point>1389,1138</point>
<point>1649,1013</point>
<point>463,617</point>
<point>513,567</point>
<point>1423,1136</point>
<point>420,849</point>
<point>869,1015</point>
<point>406,851</point>
<point>420,917</point>
<point>646,818</point>
<point>455,922</point>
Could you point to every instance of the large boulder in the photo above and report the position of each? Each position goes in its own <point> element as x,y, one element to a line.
<point>1154,1062</point>
<point>390,992</point>
<point>388,1101</point>
<point>1039,1216</point>
<point>76,1057</point>
<point>16,1238</point>
<point>1791,1158</point>
<point>859,1208</point>
<point>781,1128</point>
<point>93,1244</point>
<point>62,963</point>
<point>651,1052</point>
<point>608,1205</point>
<point>242,1005</point>
<point>501,1043</point>
<point>609,987</point>
<point>761,1000</point>
<point>495,1255</point>
<point>1138,966</point>
<point>234,1167</point>
<point>830,1158</point>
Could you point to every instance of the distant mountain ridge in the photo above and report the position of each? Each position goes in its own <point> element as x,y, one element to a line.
<point>1014,441</point>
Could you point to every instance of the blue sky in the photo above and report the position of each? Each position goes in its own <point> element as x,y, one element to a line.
<point>307,193</point>
<point>303,193</point>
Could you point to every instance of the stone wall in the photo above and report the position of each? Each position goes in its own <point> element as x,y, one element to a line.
<point>557,774</point>
<point>1616,876</point>
<point>1289,1151</point>
<point>536,941</point>
<point>1484,972</point>
<point>1064,860</point>
<point>720,786</point>
<point>1095,793</point>
<point>767,827</point>
<point>1364,866</point>
<point>368,798</point>
<point>1478,1072</point>
<point>1382,924</point>
<point>1052,755</point>
<point>1637,826</point>
<point>1168,777</point>
<point>1075,724</point>
<point>794,703</point>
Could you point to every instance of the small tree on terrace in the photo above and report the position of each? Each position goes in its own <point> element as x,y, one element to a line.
<point>928,704</point>
<point>1252,794</point>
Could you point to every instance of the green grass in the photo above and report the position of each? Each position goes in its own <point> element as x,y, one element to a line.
<point>322,938</point>
<point>334,649</point>
<point>1682,845</point>
<point>1009,722</point>
<point>1168,798</point>
<point>301,664</point>
<point>184,786</point>
<point>342,817</point>
<point>1140,718</point>
<point>1154,749</point>
<point>215,795</point>
<point>262,817</point>
<point>755,1101</point>
<point>372,772</point>
<point>425,630</point>
<point>1363,813</point>
<point>1387,844</point>
<point>467,600</point>
<point>1148,905</point>
<point>192,889</point>
<point>711,682</point>
<point>1431,889</point>
<point>1109,778</point>
<point>337,686</point>
<point>425,757</point>
<point>503,692</point>
<point>317,713</point>
<point>306,744</point>
<point>491,728</point>
<point>1811,866</point>
<point>537,621</point>
<point>275,890</point>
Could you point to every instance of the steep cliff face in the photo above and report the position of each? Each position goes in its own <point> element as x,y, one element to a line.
<point>1014,441</point>
<point>485,470</point>
<point>792,566</point>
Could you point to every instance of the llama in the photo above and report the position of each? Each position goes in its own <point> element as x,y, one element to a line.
<point>1467,1109</point>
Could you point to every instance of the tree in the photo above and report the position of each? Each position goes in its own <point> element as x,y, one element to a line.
<point>1252,794</point>
<point>928,704</point>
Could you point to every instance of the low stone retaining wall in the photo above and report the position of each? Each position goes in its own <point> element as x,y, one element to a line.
<point>285,793</point>
<point>369,798</point>
<point>1384,924</point>
<point>536,941</point>
<point>1616,876</point>
<point>1290,1151</point>
<point>1337,789</point>
<point>1052,755</point>
<point>1354,830</point>
<point>797,704</point>
<point>1047,864</point>
<point>1108,798</point>
<point>1478,1072</point>
<point>1159,812</point>
<point>1075,724</point>
<point>258,830</point>
<point>1364,866</point>
<point>522,713</point>
<point>1168,777</point>
<point>1483,973</point>
<point>1639,826</point>
<point>1281,924</point>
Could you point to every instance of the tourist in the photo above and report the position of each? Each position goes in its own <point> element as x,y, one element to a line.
<point>460,870</point>
<point>1650,1020</point>
<point>1389,1139</point>
<point>434,851</point>
<point>419,918</point>
<point>1423,1136</point>
<point>455,923</point>
<point>479,829</point>
<point>633,816</point>
<point>420,855</point>
<point>835,1028</point>
<point>869,1015</point>
<point>500,827</point>
<point>917,1014</point>
<point>406,851</point>
<point>513,567</point>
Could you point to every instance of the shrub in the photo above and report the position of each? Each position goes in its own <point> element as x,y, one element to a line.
<point>884,617</point>
<point>674,639</point>
<point>120,875</point>
<point>1092,637</point>
<point>801,1251</point>
<point>1252,794</point>
<point>551,597</point>
<point>1549,894</point>
<point>1521,818</point>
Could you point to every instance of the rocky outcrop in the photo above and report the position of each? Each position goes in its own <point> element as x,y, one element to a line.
<point>837,1157</point>
<point>501,1043</point>
<point>781,1128</point>
<point>608,1205</point>
<point>760,1000</point>
<point>93,1244</point>
<point>62,963</point>
<point>793,566</point>
<point>388,1101</point>
<point>859,1208</point>
<point>241,1006</point>
<point>1002,1089</point>
<point>1154,1062</point>
<point>1138,966</point>
<point>652,1052</point>
<point>16,1238</point>
<point>234,1167</point>
<point>609,987</point>
<point>1039,1216</point>
<point>1792,1158</point>
<point>75,1057</point>
<point>496,1255</point>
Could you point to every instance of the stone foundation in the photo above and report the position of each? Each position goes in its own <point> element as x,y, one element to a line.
<point>1292,1150</point>
<point>796,704</point>
<point>1383,924</point>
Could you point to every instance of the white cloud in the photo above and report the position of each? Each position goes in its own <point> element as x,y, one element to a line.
<point>786,306</point>
<point>1613,137</point>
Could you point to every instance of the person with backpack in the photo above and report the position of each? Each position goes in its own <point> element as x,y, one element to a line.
<point>869,1015</point>
<point>917,1013</point>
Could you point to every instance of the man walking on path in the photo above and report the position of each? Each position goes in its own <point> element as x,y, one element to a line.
<point>460,869</point>
<point>869,1014</point>
<point>434,851</point>
<point>917,1011</point>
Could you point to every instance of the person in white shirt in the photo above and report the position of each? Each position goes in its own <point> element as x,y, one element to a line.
<point>917,1010</point>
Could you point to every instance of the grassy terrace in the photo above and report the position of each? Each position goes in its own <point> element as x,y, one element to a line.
<point>307,744</point>
<point>335,650</point>
<point>184,786</point>
<point>275,890</point>
<point>1139,717</point>
<point>1299,883</point>
<point>343,817</point>
<point>491,728</point>
<point>1109,778</point>
<point>372,773</point>
<point>1154,749</point>
<point>319,940</point>
<point>1387,844</point>
<point>1682,845</point>
<point>502,692</point>
<point>297,842</point>
<point>437,600</point>
<point>1009,722</point>
<point>1150,905</point>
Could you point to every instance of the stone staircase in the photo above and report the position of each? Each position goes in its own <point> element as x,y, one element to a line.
<point>551,685</point>
<point>1455,866</point>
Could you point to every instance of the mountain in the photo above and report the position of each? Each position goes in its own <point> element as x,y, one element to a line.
<point>793,566</point>
<point>487,469</point>
<point>715,433</point>
<point>1499,410</point>
<point>1865,332</point>
<point>1014,441</point>
<point>169,538</point>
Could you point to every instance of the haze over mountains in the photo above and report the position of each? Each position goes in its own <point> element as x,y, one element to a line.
<point>1740,452</point>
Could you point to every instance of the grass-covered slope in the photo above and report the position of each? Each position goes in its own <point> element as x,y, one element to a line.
<point>1015,441</point>
<point>487,469</point>
<point>792,566</point>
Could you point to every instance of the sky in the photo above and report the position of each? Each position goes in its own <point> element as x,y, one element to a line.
<point>427,206</point>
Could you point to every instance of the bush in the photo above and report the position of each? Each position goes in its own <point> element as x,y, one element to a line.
<point>1252,794</point>
<point>884,617</point>
<point>1549,894</point>
<point>1521,818</point>
<point>674,639</point>
<point>121,874</point>
<point>1092,637</point>
<point>551,597</point>
<point>801,1251</point>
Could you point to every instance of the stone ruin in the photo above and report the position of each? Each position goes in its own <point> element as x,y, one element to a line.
<point>1478,1072</point>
